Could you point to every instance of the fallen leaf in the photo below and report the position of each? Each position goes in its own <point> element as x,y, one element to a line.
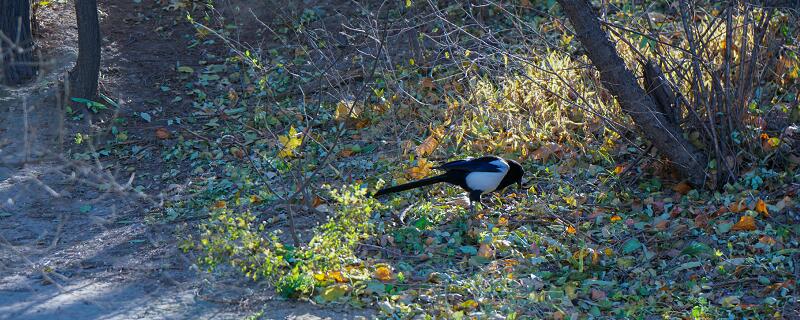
<point>383,273</point>
<point>745,223</point>
<point>219,205</point>
<point>468,305</point>
<point>571,229</point>
<point>336,275</point>
<point>598,295</point>
<point>346,153</point>
<point>428,83</point>
<point>662,225</point>
<point>290,142</point>
<point>502,221</point>
<point>767,240</point>
<point>485,251</point>
<point>422,170</point>
<point>615,218</point>
<point>546,151</point>
<point>334,292</point>
<point>737,207</point>
<point>427,146</point>
<point>701,220</point>
<point>163,133</point>
<point>761,208</point>
<point>682,188</point>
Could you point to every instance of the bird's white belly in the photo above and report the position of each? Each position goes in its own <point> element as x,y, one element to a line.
<point>484,181</point>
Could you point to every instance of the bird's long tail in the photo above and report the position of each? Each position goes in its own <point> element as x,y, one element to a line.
<point>411,185</point>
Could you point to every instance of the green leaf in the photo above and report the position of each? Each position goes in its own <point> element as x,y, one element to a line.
<point>470,250</point>
<point>695,249</point>
<point>334,292</point>
<point>689,265</point>
<point>724,228</point>
<point>631,246</point>
<point>375,287</point>
<point>145,116</point>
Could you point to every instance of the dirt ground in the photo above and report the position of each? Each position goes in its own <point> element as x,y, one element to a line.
<point>74,243</point>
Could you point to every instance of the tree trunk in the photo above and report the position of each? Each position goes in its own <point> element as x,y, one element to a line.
<point>16,41</point>
<point>83,77</point>
<point>617,78</point>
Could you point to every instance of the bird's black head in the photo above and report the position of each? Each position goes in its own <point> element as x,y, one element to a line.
<point>514,175</point>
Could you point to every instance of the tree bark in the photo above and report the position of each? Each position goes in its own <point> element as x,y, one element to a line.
<point>82,82</point>
<point>621,82</point>
<point>16,41</point>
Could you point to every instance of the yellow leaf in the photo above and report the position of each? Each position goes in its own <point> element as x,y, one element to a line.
<point>502,221</point>
<point>774,142</point>
<point>336,275</point>
<point>745,223</point>
<point>571,230</point>
<point>618,169</point>
<point>408,3</point>
<point>383,273</point>
<point>422,170</point>
<point>761,208</point>
<point>254,199</point>
<point>290,142</point>
<point>334,292</point>
<point>615,218</point>
<point>468,305</point>
<point>319,276</point>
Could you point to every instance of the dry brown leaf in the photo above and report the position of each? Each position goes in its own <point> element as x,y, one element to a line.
<point>598,295</point>
<point>767,240</point>
<point>428,83</point>
<point>745,223</point>
<point>163,133</point>
<point>345,153</point>
<point>427,146</point>
<point>701,220</point>
<point>546,151</point>
<point>219,205</point>
<point>682,188</point>
<point>485,251</point>
<point>737,207</point>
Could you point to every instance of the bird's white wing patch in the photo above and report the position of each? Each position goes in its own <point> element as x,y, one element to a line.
<point>488,181</point>
<point>485,181</point>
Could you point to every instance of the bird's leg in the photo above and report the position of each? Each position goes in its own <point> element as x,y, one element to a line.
<point>474,197</point>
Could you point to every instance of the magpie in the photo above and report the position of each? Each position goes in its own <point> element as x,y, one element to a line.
<point>476,176</point>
